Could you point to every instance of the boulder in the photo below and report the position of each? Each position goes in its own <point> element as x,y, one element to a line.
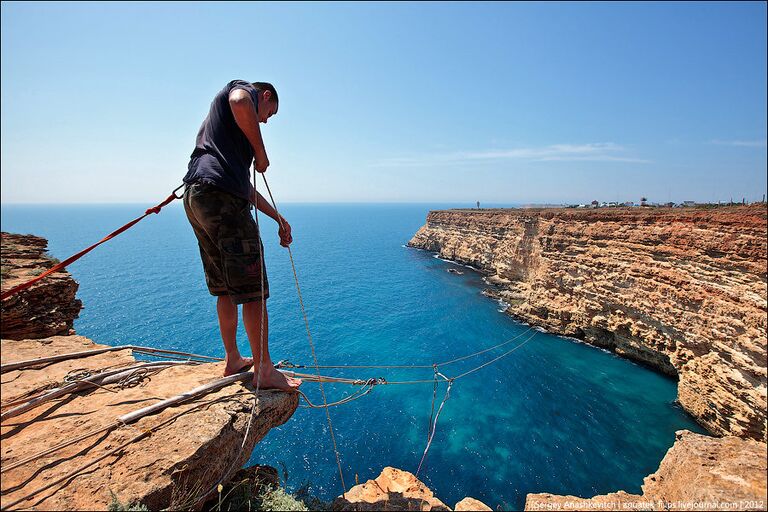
<point>395,489</point>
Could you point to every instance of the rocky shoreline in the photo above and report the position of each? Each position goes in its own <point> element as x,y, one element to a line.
<point>680,290</point>
<point>47,309</point>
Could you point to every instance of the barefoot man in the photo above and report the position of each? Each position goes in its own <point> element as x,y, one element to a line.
<point>217,199</point>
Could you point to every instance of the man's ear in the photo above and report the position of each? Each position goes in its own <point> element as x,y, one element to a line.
<point>267,95</point>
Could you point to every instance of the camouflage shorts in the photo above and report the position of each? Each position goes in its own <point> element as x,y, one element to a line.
<point>229,242</point>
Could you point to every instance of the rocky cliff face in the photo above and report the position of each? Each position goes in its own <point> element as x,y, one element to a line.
<point>682,290</point>
<point>49,307</point>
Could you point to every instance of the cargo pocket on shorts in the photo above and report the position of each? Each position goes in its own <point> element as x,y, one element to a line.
<point>242,261</point>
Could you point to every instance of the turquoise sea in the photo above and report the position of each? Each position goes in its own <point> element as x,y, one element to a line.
<point>555,416</point>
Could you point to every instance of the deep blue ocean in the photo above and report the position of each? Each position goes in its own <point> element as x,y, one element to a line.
<point>555,416</point>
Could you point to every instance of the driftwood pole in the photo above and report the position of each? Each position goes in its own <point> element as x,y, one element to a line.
<point>189,395</point>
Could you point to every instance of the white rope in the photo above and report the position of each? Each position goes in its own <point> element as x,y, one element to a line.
<point>311,343</point>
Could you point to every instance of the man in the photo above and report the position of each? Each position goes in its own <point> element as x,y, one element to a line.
<point>217,200</point>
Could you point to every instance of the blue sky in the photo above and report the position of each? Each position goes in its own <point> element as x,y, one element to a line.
<point>428,102</point>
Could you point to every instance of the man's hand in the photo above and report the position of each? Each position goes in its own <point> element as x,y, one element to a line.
<point>284,232</point>
<point>260,163</point>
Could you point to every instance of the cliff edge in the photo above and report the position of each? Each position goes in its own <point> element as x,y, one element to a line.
<point>48,308</point>
<point>681,290</point>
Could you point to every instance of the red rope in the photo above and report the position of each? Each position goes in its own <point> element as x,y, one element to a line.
<point>59,266</point>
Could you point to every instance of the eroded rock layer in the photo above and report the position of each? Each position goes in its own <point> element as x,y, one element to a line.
<point>49,307</point>
<point>682,290</point>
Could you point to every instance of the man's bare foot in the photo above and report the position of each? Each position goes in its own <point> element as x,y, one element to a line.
<point>274,379</point>
<point>237,366</point>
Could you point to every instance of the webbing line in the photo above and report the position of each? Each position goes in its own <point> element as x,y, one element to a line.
<point>75,257</point>
<point>288,364</point>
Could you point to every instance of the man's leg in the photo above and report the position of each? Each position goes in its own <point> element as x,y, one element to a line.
<point>227,312</point>
<point>254,317</point>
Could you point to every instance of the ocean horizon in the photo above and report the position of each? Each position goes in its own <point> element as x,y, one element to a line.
<point>556,416</point>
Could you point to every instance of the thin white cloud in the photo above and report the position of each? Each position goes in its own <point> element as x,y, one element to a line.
<point>741,143</point>
<point>595,152</point>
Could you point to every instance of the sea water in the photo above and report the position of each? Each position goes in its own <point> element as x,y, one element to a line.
<point>553,416</point>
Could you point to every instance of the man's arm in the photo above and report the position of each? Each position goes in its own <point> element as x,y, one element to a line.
<point>263,205</point>
<point>284,230</point>
<point>247,120</point>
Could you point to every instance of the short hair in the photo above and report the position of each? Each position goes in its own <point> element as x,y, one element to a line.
<point>266,86</point>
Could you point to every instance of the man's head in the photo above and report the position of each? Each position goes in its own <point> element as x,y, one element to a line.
<point>268,101</point>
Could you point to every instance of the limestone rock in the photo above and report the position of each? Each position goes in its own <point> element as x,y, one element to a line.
<point>698,473</point>
<point>177,462</point>
<point>706,469</point>
<point>395,489</point>
<point>682,290</point>
<point>47,308</point>
<point>469,504</point>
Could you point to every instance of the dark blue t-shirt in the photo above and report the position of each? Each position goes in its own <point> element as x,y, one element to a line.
<point>223,155</point>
